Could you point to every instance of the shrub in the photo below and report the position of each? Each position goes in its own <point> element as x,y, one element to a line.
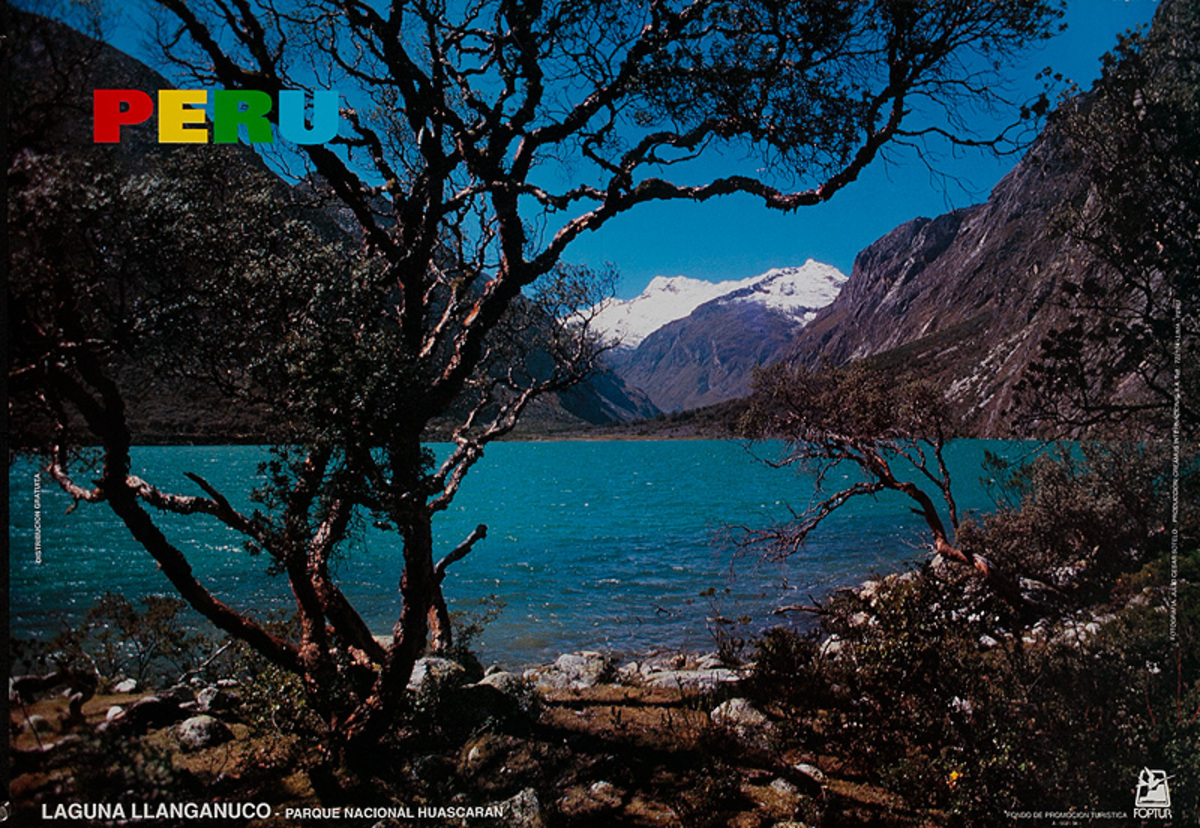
<point>1078,516</point>
<point>977,726</point>
<point>156,644</point>
<point>787,669</point>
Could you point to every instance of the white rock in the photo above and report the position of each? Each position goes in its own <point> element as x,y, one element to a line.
<point>508,683</point>
<point>785,788</point>
<point>201,732</point>
<point>738,713</point>
<point>812,772</point>
<point>605,793</point>
<point>432,674</point>
<point>522,811</point>
<point>1142,599</point>
<point>832,647</point>
<point>211,699</point>
<point>574,671</point>
<point>703,680</point>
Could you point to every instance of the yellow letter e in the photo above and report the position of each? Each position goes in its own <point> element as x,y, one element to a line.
<point>174,114</point>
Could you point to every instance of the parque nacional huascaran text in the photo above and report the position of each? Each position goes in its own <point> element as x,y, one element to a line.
<point>181,117</point>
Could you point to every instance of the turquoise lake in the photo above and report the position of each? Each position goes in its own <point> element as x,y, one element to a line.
<point>591,544</point>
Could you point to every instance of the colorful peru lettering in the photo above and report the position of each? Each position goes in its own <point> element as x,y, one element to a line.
<point>181,122</point>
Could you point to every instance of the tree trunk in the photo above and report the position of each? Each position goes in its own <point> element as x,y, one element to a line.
<point>371,721</point>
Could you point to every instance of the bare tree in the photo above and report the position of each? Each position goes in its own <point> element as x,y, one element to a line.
<point>893,434</point>
<point>479,140</point>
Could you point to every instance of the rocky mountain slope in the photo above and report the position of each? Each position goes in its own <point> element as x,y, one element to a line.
<point>688,343</point>
<point>964,299</point>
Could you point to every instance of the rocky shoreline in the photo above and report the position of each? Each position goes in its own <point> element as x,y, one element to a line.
<point>603,711</point>
<point>673,698</point>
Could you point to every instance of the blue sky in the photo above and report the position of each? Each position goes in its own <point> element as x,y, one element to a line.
<point>736,237</point>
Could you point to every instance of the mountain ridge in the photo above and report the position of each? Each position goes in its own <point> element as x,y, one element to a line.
<point>965,299</point>
<point>689,344</point>
<point>666,299</point>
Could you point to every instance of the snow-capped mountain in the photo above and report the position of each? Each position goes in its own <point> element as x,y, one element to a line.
<point>688,343</point>
<point>794,291</point>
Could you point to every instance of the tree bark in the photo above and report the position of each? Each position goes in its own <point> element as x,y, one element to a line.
<point>368,724</point>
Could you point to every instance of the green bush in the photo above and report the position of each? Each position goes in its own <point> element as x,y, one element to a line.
<point>936,696</point>
<point>1078,516</point>
<point>156,644</point>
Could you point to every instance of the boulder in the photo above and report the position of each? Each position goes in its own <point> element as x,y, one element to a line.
<point>507,683</point>
<point>476,706</point>
<point>813,776</point>
<point>606,793</point>
<point>868,591</point>
<point>216,699</point>
<point>832,647</point>
<point>522,811</point>
<point>630,673</point>
<point>1143,599</point>
<point>37,724</point>
<point>432,675</point>
<point>572,671</point>
<point>785,789</point>
<point>738,714</point>
<point>513,687</point>
<point>200,732</point>
<point>127,686</point>
<point>589,803</point>
<point>704,681</point>
<point>665,661</point>
<point>146,713</point>
<point>745,722</point>
<point>1077,633</point>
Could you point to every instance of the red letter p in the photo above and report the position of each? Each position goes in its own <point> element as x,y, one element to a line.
<point>108,117</point>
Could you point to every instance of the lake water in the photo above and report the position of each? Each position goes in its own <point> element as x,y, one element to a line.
<point>602,545</point>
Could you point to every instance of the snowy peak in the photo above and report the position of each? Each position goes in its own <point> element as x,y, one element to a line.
<point>796,291</point>
<point>664,300</point>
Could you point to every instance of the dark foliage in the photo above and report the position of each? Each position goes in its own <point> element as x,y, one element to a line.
<point>157,644</point>
<point>928,692</point>
<point>1130,343</point>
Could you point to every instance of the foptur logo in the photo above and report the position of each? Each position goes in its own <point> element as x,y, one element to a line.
<point>1153,800</point>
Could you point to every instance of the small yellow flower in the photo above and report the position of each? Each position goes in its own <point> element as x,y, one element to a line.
<point>954,777</point>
